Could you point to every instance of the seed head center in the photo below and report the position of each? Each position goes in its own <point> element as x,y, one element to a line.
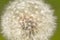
<point>27,23</point>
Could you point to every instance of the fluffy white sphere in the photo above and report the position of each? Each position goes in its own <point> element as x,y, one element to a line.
<point>28,20</point>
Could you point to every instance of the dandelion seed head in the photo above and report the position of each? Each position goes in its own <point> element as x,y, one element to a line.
<point>28,20</point>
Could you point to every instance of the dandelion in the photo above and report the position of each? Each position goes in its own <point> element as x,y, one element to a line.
<point>28,20</point>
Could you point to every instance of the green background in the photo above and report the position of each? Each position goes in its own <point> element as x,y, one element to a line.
<point>55,5</point>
